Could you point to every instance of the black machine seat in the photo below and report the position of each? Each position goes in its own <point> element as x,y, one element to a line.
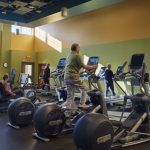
<point>139,98</point>
<point>116,123</point>
<point>2,93</point>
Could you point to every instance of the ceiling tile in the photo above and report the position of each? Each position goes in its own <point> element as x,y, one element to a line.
<point>19,3</point>
<point>38,3</point>
<point>2,4</point>
<point>22,10</point>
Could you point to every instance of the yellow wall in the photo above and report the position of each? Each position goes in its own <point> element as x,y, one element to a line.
<point>5,48</point>
<point>41,46</point>
<point>17,57</point>
<point>22,42</point>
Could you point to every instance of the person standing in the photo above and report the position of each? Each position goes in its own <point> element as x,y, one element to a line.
<point>46,77</point>
<point>72,80</point>
<point>109,81</point>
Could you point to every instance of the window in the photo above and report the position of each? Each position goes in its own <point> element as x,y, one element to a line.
<point>21,30</point>
<point>27,31</point>
<point>40,34</point>
<point>85,59</point>
<point>55,43</point>
<point>48,39</point>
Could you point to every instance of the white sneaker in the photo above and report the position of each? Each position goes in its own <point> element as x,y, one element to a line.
<point>83,105</point>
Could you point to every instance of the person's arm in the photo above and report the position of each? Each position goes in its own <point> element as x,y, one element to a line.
<point>113,74</point>
<point>87,67</point>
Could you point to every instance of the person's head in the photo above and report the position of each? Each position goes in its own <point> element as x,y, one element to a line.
<point>75,48</point>
<point>5,77</point>
<point>48,65</point>
<point>109,66</point>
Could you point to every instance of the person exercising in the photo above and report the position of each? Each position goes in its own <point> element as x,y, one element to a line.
<point>46,77</point>
<point>8,91</point>
<point>72,80</point>
<point>109,81</point>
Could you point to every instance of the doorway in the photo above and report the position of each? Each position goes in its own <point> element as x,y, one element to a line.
<point>28,68</point>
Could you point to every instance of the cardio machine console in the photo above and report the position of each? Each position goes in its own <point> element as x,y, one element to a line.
<point>23,79</point>
<point>137,63</point>
<point>61,63</point>
<point>102,73</point>
<point>93,61</point>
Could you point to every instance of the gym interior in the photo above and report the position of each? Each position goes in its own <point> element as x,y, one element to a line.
<point>74,74</point>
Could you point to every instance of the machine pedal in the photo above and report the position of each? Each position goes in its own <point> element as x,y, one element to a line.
<point>13,126</point>
<point>40,137</point>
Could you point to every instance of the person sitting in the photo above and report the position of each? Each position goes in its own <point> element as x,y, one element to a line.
<point>8,91</point>
<point>109,81</point>
<point>72,80</point>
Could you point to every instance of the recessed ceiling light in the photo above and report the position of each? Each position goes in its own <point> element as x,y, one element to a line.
<point>31,7</point>
<point>4,12</point>
<point>39,11</point>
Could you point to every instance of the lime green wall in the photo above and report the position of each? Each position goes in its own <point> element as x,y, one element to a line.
<point>114,53</point>
<point>118,53</point>
<point>52,57</point>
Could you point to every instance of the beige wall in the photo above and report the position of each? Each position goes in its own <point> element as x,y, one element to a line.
<point>22,42</point>
<point>128,20</point>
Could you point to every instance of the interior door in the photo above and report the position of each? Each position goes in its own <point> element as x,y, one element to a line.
<point>28,68</point>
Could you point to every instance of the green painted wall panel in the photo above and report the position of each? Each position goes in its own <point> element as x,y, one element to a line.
<point>114,53</point>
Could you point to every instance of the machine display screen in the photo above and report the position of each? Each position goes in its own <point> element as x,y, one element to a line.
<point>93,61</point>
<point>119,70</point>
<point>62,62</point>
<point>23,79</point>
<point>137,60</point>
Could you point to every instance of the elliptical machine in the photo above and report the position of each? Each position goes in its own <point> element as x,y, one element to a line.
<point>95,131</point>
<point>57,77</point>
<point>51,120</point>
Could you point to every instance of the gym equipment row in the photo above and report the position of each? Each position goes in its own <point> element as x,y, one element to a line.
<point>49,119</point>
<point>94,131</point>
